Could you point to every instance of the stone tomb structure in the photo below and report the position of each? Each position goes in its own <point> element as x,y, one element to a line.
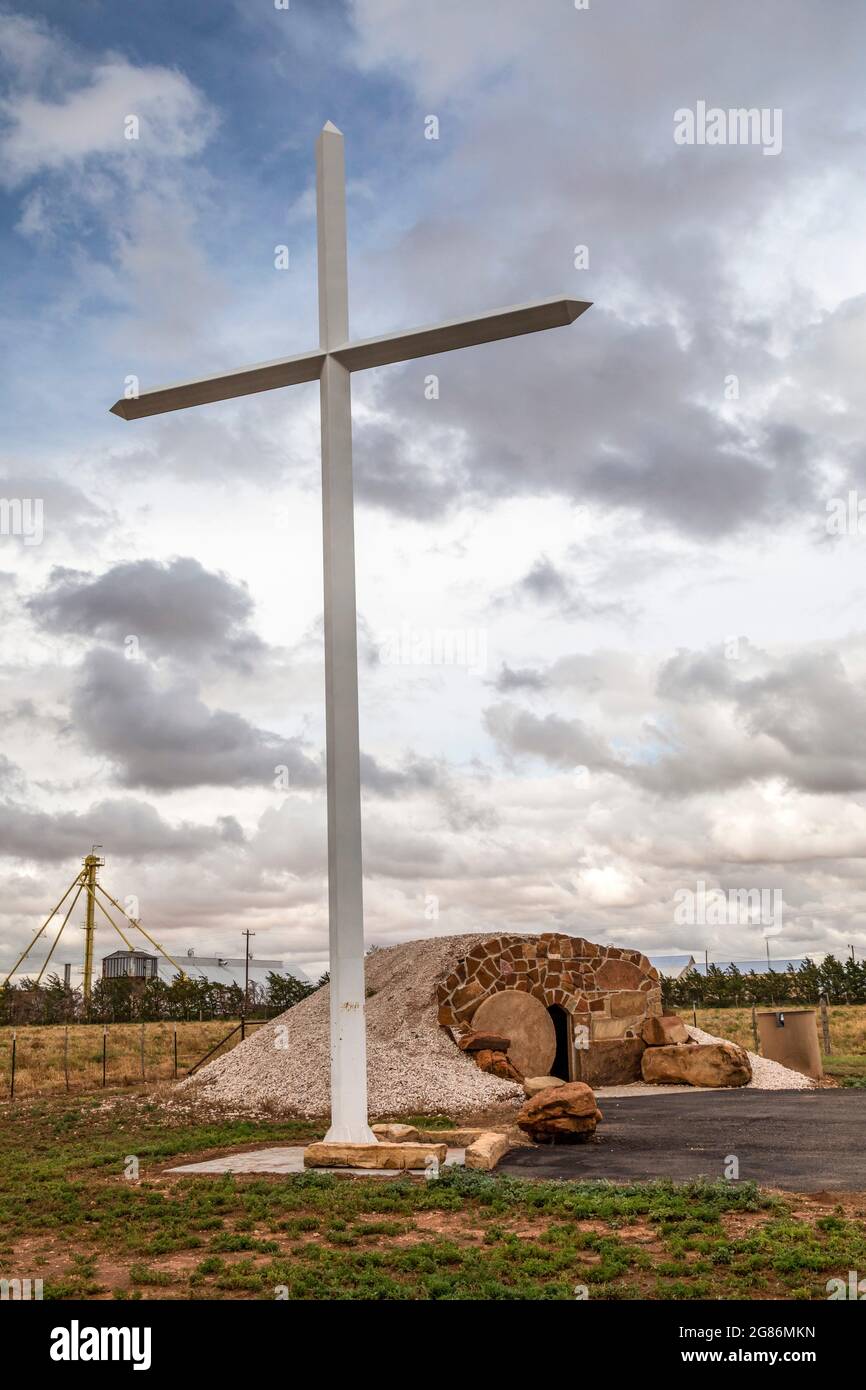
<point>569,1008</point>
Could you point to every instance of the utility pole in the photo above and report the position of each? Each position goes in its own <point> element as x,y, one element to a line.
<point>91,863</point>
<point>247,934</point>
<point>853,957</point>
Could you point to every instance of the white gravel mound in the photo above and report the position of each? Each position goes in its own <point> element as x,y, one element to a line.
<point>413,1067</point>
<point>766,1075</point>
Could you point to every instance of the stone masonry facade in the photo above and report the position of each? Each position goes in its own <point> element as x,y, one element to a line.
<point>607,989</point>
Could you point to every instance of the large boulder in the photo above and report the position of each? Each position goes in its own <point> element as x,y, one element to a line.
<point>697,1064</point>
<point>664,1031</point>
<point>561,1114</point>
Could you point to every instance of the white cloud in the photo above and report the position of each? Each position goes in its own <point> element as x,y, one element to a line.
<point>89,120</point>
<point>588,499</point>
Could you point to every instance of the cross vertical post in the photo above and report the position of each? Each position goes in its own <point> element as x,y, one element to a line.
<point>349,1124</point>
<point>332,364</point>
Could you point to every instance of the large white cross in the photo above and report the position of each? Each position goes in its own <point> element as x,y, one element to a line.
<point>332,363</point>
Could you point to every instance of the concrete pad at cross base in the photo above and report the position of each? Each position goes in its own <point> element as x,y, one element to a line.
<point>289,1160</point>
<point>281,1160</point>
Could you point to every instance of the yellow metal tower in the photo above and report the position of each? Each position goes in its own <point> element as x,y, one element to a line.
<point>92,862</point>
<point>85,881</point>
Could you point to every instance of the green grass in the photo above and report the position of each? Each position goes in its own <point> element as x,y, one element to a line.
<point>466,1236</point>
<point>848,1071</point>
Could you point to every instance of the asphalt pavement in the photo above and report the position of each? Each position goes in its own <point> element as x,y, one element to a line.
<point>803,1141</point>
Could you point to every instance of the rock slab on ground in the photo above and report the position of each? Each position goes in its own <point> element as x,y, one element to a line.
<point>664,1031</point>
<point>533,1084</point>
<point>561,1114</point>
<point>396,1134</point>
<point>483,1042</point>
<point>697,1064</point>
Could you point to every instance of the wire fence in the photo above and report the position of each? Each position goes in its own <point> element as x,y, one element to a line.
<point>37,1060</point>
<point>42,1060</point>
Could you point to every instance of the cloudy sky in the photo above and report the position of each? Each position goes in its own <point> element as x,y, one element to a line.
<point>609,617</point>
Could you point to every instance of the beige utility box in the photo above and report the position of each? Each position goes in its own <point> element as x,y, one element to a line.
<point>790,1036</point>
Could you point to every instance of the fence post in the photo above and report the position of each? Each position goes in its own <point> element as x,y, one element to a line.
<point>195,1066</point>
<point>175,1054</point>
<point>825,1025</point>
<point>243,1028</point>
<point>755,1026</point>
<point>14,1050</point>
<point>143,1077</point>
<point>104,1050</point>
<point>66,1055</point>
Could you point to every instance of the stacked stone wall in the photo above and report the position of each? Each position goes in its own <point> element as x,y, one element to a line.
<point>607,989</point>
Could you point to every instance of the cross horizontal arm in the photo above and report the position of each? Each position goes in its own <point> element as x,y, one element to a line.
<point>369,352</point>
<point>246,381</point>
<point>460,333</point>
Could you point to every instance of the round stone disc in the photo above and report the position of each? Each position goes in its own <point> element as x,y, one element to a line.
<point>525,1020</point>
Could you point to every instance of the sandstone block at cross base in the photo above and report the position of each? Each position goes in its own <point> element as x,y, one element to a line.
<point>561,1114</point>
<point>485,1152</point>
<point>699,1064</point>
<point>451,1138</point>
<point>395,1134</point>
<point>664,1031</point>
<point>333,1155</point>
<point>533,1084</point>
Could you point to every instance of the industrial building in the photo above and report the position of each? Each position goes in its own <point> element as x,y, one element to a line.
<point>135,965</point>
<point>223,970</point>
